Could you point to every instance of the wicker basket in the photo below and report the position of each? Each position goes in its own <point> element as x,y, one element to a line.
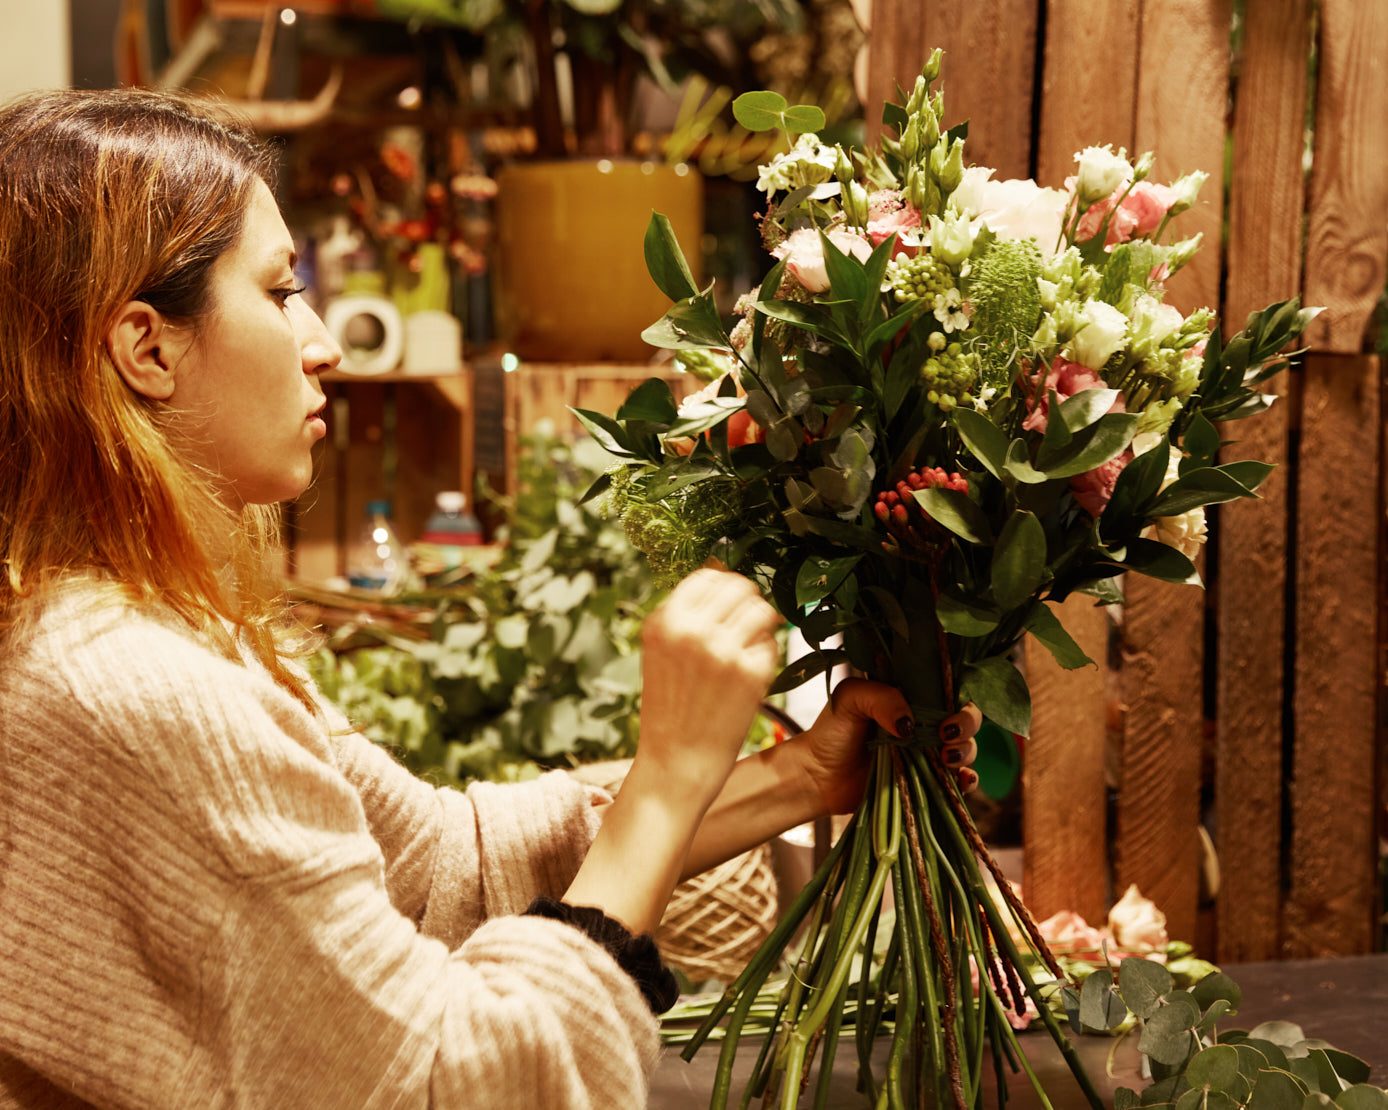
<point>716,921</point>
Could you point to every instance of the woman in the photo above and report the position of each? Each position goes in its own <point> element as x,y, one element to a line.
<point>212,891</point>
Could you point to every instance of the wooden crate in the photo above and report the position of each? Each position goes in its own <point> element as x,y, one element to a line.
<point>1252,708</point>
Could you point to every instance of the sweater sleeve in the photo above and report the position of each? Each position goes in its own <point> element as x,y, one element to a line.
<point>455,858</point>
<point>195,912</point>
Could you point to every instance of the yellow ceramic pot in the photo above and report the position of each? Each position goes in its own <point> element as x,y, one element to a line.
<point>569,272</point>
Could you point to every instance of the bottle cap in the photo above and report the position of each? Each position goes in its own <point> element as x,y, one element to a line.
<point>451,501</point>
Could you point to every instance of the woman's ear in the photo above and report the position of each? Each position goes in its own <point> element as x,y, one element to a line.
<point>145,348</point>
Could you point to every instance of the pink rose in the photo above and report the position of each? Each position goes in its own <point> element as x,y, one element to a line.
<point>1068,934</point>
<point>804,254</point>
<point>1066,378</point>
<point>1014,1019</point>
<point>894,224</point>
<point>1140,213</point>
<point>1093,488</point>
<point>1136,923</point>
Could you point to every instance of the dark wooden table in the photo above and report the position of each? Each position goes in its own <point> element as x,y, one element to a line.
<point>1343,1001</point>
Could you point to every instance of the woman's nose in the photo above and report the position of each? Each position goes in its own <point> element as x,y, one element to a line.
<point>320,350</point>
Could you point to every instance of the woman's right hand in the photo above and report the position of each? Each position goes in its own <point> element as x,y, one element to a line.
<point>710,653</point>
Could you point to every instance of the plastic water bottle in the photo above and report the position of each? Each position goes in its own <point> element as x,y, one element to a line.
<point>378,562</point>
<point>451,527</point>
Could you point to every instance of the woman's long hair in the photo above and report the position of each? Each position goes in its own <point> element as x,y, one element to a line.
<point>107,197</point>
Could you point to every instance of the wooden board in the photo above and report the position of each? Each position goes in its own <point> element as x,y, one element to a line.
<point>1347,236</point>
<point>990,57</point>
<point>1263,266</point>
<point>1083,104</point>
<point>1330,907</point>
<point>1065,812</point>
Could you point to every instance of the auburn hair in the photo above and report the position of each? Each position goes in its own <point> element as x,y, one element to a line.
<point>107,197</point>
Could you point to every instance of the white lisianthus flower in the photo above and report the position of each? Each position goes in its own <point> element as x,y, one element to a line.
<point>1186,188</point>
<point>1185,531</point>
<point>1021,209</point>
<point>951,238</point>
<point>1154,325</point>
<point>803,251</point>
<point>808,162</point>
<point>968,194</point>
<point>1102,332</point>
<point>1101,171</point>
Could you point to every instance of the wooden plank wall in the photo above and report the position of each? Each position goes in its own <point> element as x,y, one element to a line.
<point>1273,743</point>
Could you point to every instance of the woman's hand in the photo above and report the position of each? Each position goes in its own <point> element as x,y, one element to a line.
<point>710,652</point>
<point>833,750</point>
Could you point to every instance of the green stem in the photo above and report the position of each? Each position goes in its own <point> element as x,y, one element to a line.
<point>908,997</point>
<point>774,946</point>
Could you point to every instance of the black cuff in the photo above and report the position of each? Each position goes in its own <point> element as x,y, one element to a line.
<point>638,955</point>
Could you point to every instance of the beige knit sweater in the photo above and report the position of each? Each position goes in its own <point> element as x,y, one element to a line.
<point>208,898</point>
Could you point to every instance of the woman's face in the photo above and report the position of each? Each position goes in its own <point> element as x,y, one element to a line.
<point>246,395</point>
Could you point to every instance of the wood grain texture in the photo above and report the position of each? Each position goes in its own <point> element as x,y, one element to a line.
<point>1084,104</point>
<point>1330,907</point>
<point>1347,236</point>
<point>1157,812</point>
<point>1263,265</point>
<point>1182,85</point>
<point>990,52</point>
<point>1182,93</point>
<point>1065,814</point>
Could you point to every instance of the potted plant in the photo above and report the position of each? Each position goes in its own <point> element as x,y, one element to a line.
<point>568,283</point>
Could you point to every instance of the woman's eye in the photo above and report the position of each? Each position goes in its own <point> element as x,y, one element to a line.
<point>283,294</point>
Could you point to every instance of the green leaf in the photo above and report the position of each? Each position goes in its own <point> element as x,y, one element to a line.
<point>819,577</point>
<point>1143,985</point>
<point>760,110</point>
<point>1125,1099</point>
<point>847,280</point>
<point>1277,1090</point>
<point>1208,485</point>
<point>806,668</point>
<point>1285,1035</point>
<point>665,260</point>
<point>601,484</point>
<point>1101,1008</point>
<point>983,438</point>
<point>651,401</point>
<point>690,324</point>
<point>1086,407</point>
<point>891,610</point>
<point>1200,444</point>
<point>1109,439</point>
<point>1019,560</point>
<point>1000,692</point>
<point>606,431</point>
<point>962,617</point>
<point>699,418</point>
<point>1216,1067</point>
<point>956,511</point>
<point>1348,1067</point>
<point>800,118</point>
<point>1158,560</point>
<point>1216,986</point>
<point>1045,626</point>
<point>1362,1096</point>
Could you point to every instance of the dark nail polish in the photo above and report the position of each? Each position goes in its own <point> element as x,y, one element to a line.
<point>905,728</point>
<point>950,732</point>
<point>953,755</point>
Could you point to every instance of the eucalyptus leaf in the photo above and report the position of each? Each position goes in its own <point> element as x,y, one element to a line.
<point>1144,985</point>
<point>1216,1067</point>
<point>1362,1096</point>
<point>1277,1090</point>
<point>1101,1008</point>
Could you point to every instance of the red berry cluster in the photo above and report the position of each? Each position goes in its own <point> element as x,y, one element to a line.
<point>902,513</point>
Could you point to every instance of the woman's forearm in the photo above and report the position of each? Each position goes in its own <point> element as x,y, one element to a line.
<point>766,794</point>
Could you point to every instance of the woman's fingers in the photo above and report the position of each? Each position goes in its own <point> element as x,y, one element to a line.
<point>958,748</point>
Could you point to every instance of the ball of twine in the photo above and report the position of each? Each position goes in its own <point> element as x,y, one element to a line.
<point>716,921</point>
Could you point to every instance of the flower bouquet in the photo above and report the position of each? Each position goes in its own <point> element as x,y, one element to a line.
<point>951,403</point>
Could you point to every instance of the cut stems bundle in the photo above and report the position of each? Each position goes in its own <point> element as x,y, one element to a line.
<point>914,835</point>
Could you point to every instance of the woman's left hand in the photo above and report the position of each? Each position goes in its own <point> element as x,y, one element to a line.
<point>834,751</point>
